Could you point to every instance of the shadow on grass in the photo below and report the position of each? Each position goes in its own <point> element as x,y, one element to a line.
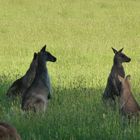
<point>73,113</point>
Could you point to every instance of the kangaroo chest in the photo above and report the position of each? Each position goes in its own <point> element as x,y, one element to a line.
<point>118,71</point>
<point>46,81</point>
<point>114,75</point>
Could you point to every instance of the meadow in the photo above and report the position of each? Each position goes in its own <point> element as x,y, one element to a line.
<point>80,34</point>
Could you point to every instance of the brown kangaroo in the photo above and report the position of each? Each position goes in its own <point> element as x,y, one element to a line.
<point>36,97</point>
<point>20,85</point>
<point>128,104</point>
<point>8,132</point>
<point>113,85</point>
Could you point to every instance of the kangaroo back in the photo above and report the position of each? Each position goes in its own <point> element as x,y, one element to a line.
<point>20,85</point>
<point>128,104</point>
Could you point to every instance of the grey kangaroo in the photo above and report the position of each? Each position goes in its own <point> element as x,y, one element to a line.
<point>36,97</point>
<point>128,105</point>
<point>20,85</point>
<point>113,84</point>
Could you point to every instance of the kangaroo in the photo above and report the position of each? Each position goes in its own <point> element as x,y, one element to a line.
<point>113,85</point>
<point>20,85</point>
<point>128,104</point>
<point>8,132</point>
<point>36,97</point>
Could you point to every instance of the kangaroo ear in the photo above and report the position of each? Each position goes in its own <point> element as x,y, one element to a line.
<point>35,55</point>
<point>114,50</point>
<point>43,49</point>
<point>128,77</point>
<point>120,50</point>
<point>120,78</point>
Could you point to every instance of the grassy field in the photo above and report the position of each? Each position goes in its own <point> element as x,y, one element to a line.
<point>80,34</point>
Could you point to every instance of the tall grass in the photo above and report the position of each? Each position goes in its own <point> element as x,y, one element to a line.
<point>80,34</point>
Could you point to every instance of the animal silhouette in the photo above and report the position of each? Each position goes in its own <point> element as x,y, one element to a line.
<point>113,84</point>
<point>36,96</point>
<point>8,132</point>
<point>20,85</point>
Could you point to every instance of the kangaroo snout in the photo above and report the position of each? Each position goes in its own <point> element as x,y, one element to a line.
<point>54,59</point>
<point>128,59</point>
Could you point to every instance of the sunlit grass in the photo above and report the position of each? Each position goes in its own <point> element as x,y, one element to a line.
<point>80,34</point>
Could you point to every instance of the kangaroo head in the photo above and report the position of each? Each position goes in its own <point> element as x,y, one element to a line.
<point>47,56</point>
<point>30,74</point>
<point>120,57</point>
<point>125,83</point>
<point>34,61</point>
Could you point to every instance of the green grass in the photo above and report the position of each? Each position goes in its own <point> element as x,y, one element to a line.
<point>80,34</point>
